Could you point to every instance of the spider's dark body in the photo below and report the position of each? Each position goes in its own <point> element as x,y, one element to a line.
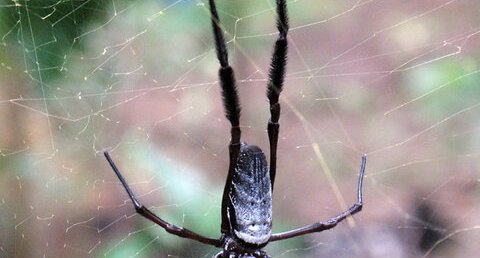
<point>247,197</point>
<point>250,198</point>
<point>249,204</point>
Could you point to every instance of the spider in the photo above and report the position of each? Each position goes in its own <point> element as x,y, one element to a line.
<point>246,210</point>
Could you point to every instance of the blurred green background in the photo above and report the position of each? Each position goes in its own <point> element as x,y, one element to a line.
<point>395,79</point>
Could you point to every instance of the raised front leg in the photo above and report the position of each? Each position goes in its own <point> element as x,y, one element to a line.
<point>231,105</point>
<point>275,83</point>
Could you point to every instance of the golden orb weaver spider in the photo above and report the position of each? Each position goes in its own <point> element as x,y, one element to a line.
<point>246,225</point>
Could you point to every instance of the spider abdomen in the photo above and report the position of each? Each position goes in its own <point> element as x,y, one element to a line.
<point>251,197</point>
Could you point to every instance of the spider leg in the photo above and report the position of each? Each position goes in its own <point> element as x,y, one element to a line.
<point>275,83</point>
<point>332,222</point>
<point>227,77</point>
<point>231,105</point>
<point>170,228</point>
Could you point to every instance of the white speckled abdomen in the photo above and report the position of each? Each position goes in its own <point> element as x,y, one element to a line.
<point>251,197</point>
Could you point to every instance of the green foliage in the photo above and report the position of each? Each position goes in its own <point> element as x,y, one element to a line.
<point>183,202</point>
<point>43,33</point>
<point>445,85</point>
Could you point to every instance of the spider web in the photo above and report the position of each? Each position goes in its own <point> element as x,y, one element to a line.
<point>397,80</point>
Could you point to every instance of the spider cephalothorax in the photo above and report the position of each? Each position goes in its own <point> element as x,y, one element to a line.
<point>247,197</point>
<point>233,249</point>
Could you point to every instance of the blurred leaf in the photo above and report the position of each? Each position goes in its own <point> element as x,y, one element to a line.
<point>184,189</point>
<point>446,85</point>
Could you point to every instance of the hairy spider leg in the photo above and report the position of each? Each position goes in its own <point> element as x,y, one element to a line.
<point>231,106</point>
<point>142,210</point>
<point>276,77</point>
<point>332,222</point>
